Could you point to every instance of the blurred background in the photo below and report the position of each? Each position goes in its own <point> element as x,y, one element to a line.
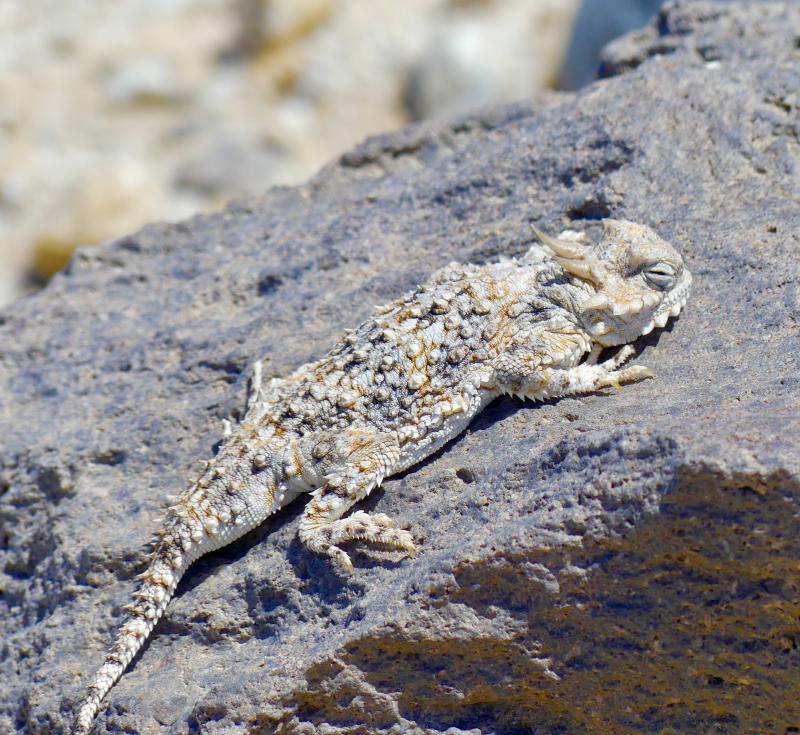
<point>114,113</point>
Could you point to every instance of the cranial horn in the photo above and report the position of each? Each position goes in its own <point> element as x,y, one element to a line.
<point>598,301</point>
<point>559,247</point>
<point>579,268</point>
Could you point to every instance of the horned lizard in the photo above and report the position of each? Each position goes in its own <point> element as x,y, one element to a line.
<point>400,386</point>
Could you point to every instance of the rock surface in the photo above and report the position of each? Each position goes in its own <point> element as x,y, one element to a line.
<point>623,563</point>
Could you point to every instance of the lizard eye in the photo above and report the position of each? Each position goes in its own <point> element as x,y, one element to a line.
<point>660,276</point>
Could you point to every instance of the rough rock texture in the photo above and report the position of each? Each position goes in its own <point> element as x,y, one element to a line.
<point>624,563</point>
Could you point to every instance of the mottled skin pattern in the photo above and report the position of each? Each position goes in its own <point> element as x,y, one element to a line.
<point>398,387</point>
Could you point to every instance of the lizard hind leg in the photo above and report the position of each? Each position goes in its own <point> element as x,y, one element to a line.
<point>366,461</point>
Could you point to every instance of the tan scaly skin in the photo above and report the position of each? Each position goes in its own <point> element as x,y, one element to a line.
<point>397,388</point>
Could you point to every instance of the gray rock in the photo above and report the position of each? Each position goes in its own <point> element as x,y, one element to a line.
<point>625,563</point>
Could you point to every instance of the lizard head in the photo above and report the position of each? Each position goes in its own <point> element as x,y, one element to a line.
<point>638,280</point>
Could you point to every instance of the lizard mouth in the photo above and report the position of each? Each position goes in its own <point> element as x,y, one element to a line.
<point>614,329</point>
<point>671,306</point>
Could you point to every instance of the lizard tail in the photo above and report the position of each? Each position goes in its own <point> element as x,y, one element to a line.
<point>150,601</point>
<point>198,523</point>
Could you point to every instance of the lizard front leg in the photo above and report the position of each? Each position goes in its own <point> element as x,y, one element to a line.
<point>526,374</point>
<point>365,461</point>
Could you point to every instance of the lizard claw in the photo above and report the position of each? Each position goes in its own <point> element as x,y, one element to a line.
<point>341,560</point>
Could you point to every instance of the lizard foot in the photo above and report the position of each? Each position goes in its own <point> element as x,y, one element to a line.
<point>614,377</point>
<point>375,529</point>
